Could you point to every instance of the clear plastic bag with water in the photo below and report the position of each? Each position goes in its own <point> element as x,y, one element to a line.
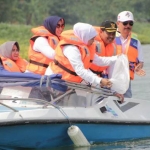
<point>118,74</point>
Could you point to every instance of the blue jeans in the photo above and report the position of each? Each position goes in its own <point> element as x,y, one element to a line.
<point>128,93</point>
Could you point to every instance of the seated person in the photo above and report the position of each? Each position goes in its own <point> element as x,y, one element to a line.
<point>34,85</point>
<point>43,43</point>
<point>10,59</point>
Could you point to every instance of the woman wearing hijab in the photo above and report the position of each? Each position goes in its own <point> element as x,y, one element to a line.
<point>43,43</point>
<point>74,56</point>
<point>10,59</point>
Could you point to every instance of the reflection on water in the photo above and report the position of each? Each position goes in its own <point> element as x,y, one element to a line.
<point>132,145</point>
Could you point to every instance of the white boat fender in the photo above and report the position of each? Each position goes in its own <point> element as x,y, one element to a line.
<point>77,136</point>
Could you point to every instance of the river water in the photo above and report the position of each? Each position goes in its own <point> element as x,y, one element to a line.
<point>141,90</point>
<point>141,85</point>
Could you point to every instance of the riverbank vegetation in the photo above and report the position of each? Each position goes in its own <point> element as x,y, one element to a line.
<point>17,17</point>
<point>22,34</point>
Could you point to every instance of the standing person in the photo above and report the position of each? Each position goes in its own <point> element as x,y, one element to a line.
<point>42,44</point>
<point>104,44</point>
<point>11,60</point>
<point>74,56</point>
<point>130,46</point>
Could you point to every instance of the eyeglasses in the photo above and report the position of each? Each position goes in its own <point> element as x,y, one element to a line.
<point>60,26</point>
<point>128,22</point>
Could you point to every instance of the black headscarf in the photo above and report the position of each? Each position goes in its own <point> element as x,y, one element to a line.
<point>50,23</point>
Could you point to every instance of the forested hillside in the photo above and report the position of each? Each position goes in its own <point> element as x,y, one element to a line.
<point>17,17</point>
<point>32,12</point>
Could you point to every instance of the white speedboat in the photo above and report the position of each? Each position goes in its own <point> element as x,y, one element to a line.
<point>80,115</point>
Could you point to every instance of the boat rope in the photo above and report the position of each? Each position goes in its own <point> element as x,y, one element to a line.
<point>46,104</point>
<point>15,110</point>
<point>65,115</point>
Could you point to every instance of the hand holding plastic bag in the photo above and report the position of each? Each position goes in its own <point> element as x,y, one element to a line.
<point>118,74</point>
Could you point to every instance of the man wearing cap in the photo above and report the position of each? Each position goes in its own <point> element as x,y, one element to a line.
<point>104,45</point>
<point>129,45</point>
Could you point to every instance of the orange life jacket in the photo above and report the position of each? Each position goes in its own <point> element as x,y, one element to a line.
<point>37,61</point>
<point>9,65</point>
<point>22,64</point>
<point>101,50</point>
<point>131,52</point>
<point>62,65</point>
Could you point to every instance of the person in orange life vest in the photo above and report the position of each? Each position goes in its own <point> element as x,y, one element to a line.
<point>9,53</point>
<point>43,43</point>
<point>74,56</point>
<point>130,46</point>
<point>103,44</point>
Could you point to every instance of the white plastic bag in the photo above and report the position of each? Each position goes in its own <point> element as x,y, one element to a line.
<point>118,74</point>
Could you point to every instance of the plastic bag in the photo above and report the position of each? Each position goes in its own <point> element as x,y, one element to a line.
<point>118,74</point>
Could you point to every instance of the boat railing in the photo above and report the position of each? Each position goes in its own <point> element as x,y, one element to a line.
<point>46,103</point>
<point>88,88</point>
<point>41,102</point>
<point>72,86</point>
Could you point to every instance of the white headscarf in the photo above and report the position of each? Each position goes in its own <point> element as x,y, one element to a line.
<point>84,31</point>
<point>6,48</point>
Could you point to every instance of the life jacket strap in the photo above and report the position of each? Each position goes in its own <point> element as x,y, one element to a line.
<point>64,68</point>
<point>38,63</point>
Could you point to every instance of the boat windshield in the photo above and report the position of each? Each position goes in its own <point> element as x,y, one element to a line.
<point>73,96</point>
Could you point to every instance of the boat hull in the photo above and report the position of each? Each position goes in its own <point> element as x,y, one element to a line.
<point>43,126</point>
<point>48,135</point>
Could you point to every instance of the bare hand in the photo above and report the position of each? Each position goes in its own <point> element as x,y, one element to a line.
<point>141,72</point>
<point>105,82</point>
<point>120,96</point>
<point>139,66</point>
<point>138,69</point>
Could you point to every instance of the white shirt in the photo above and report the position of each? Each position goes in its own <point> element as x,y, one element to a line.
<point>140,52</point>
<point>41,45</point>
<point>74,56</point>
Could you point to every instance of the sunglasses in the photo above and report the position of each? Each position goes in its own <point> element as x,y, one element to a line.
<point>60,26</point>
<point>128,22</point>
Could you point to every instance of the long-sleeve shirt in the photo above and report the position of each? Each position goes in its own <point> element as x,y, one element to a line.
<point>74,56</point>
<point>41,45</point>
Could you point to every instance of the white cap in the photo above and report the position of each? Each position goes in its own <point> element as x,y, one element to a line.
<point>125,16</point>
